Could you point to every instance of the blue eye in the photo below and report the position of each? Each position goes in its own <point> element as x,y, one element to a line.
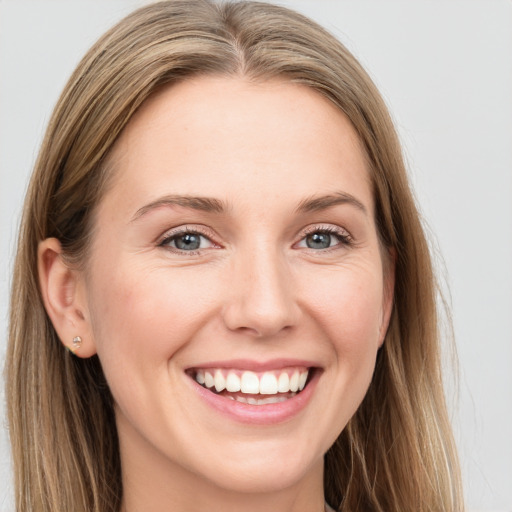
<point>325,238</point>
<point>187,241</point>
<point>318,240</point>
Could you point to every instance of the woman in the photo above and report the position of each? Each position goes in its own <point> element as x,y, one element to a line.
<point>220,230</point>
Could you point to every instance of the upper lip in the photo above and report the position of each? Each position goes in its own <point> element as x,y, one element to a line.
<point>256,366</point>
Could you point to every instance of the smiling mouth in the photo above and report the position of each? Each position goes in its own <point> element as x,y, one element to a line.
<point>253,388</point>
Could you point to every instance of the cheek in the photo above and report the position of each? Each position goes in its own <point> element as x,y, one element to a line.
<point>350,309</point>
<point>149,312</point>
<point>350,313</point>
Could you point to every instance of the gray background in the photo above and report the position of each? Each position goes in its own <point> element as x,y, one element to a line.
<point>445,69</point>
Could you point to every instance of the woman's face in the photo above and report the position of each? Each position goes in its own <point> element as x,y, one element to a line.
<point>236,247</point>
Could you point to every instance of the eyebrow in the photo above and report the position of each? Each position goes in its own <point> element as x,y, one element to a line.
<point>204,204</point>
<point>212,205</point>
<point>318,203</point>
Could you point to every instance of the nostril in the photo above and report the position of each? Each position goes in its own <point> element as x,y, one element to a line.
<point>261,301</point>
<point>260,323</point>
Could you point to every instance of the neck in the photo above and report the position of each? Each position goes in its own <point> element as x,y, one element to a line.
<point>181,492</point>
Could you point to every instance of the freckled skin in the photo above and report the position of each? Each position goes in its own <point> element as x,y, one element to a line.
<point>254,290</point>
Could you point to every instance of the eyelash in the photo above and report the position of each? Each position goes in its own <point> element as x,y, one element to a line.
<point>344,238</point>
<point>187,230</point>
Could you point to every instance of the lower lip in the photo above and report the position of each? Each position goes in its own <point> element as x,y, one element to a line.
<point>266,414</point>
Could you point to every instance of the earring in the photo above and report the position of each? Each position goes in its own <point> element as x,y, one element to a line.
<point>77,343</point>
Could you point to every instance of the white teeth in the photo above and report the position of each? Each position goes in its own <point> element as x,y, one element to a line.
<point>209,382</point>
<point>220,381</point>
<point>272,400</point>
<point>283,385</point>
<point>268,384</point>
<point>233,382</point>
<point>250,383</point>
<point>294,381</point>
<point>262,401</point>
<point>200,377</point>
<point>302,380</point>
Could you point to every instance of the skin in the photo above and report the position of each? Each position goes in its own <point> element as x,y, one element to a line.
<point>254,290</point>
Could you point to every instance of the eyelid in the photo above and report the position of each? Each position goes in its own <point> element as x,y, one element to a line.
<point>332,229</point>
<point>184,229</point>
<point>342,233</point>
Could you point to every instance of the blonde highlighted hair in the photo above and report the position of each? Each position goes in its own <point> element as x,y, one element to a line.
<point>397,452</point>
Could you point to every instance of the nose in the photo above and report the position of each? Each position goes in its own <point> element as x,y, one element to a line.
<point>261,295</point>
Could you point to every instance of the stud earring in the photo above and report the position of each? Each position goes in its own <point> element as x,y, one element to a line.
<point>77,343</point>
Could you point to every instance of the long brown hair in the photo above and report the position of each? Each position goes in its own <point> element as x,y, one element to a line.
<point>397,452</point>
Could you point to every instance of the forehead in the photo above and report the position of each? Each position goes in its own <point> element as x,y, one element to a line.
<point>215,135</point>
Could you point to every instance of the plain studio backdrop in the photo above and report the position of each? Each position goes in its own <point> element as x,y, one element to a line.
<point>445,70</point>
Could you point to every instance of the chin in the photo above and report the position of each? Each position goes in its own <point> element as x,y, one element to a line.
<point>260,478</point>
<point>261,467</point>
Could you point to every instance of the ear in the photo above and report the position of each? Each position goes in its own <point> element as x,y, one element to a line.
<point>389,264</point>
<point>64,298</point>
